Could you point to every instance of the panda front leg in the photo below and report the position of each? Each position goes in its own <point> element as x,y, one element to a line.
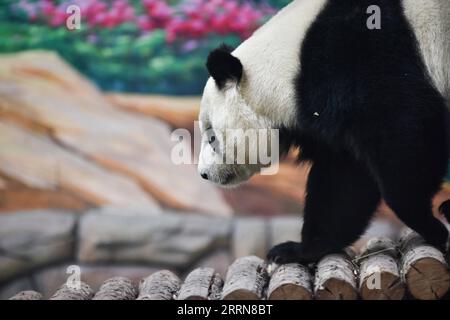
<point>341,199</point>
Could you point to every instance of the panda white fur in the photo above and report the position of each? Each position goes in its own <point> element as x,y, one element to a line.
<point>366,107</point>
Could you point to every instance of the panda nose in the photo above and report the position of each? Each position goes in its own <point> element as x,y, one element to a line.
<point>204,176</point>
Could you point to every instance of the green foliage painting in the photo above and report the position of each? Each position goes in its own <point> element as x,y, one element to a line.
<point>150,46</point>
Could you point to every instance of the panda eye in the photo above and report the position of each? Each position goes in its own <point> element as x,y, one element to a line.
<point>212,139</point>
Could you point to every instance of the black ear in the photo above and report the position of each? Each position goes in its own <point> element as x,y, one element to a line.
<point>223,66</point>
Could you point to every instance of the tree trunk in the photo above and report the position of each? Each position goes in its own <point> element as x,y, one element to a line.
<point>423,267</point>
<point>27,295</point>
<point>161,285</point>
<point>290,282</point>
<point>246,279</point>
<point>201,284</point>
<point>335,278</point>
<point>84,292</point>
<point>118,288</point>
<point>379,277</point>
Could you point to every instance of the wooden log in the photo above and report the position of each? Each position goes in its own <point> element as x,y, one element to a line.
<point>161,285</point>
<point>84,292</point>
<point>335,278</point>
<point>201,284</point>
<point>117,288</point>
<point>27,295</point>
<point>423,267</point>
<point>379,275</point>
<point>290,282</point>
<point>246,279</point>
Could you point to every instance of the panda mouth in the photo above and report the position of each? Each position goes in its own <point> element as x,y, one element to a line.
<point>234,177</point>
<point>227,179</point>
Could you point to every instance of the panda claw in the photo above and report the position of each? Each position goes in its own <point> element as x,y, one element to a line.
<point>287,252</point>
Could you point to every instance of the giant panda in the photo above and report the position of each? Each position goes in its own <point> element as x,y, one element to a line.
<point>367,107</point>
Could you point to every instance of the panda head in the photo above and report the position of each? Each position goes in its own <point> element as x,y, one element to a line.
<point>228,124</point>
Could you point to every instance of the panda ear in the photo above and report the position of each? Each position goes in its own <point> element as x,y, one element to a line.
<point>223,66</point>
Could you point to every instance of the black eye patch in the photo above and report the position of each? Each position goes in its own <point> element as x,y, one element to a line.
<point>211,137</point>
<point>223,66</point>
<point>210,134</point>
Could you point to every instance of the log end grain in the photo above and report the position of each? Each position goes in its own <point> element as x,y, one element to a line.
<point>336,289</point>
<point>379,273</point>
<point>290,291</point>
<point>242,294</point>
<point>335,278</point>
<point>423,267</point>
<point>390,288</point>
<point>428,279</point>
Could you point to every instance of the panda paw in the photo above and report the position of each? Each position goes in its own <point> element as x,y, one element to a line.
<point>290,252</point>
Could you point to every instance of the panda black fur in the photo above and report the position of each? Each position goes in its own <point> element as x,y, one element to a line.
<point>366,107</point>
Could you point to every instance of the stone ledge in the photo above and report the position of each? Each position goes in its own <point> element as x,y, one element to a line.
<point>33,242</point>
<point>32,239</point>
<point>170,239</point>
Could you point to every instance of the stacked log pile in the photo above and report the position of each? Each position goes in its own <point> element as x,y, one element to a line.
<point>409,270</point>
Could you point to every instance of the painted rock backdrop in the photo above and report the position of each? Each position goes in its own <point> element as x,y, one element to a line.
<point>65,144</point>
<point>86,179</point>
<point>86,116</point>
